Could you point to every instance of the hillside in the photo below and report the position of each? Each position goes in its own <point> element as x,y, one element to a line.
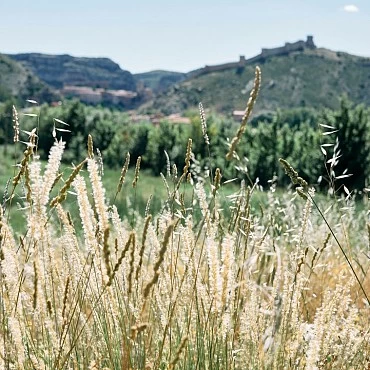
<point>17,81</point>
<point>307,77</point>
<point>62,70</point>
<point>294,75</point>
<point>159,80</point>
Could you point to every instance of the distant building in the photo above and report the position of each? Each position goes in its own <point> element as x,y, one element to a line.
<point>238,115</point>
<point>289,48</point>
<point>177,118</point>
<point>118,97</point>
<point>98,95</point>
<point>309,43</point>
<point>282,50</point>
<point>84,93</point>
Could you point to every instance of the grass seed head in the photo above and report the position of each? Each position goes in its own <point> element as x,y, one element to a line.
<point>248,111</point>
<point>15,125</point>
<point>90,147</point>
<point>188,156</point>
<point>137,170</point>
<point>203,123</point>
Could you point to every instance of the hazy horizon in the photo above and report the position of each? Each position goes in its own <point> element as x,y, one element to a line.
<point>179,37</point>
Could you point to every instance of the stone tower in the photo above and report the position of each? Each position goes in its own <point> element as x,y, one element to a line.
<point>309,43</point>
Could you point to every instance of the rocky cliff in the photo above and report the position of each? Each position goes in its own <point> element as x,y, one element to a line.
<point>16,81</point>
<point>62,70</point>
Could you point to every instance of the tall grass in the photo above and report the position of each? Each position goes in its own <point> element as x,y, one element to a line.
<point>194,286</point>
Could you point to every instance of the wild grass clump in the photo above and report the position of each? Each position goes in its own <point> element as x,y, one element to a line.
<point>196,286</point>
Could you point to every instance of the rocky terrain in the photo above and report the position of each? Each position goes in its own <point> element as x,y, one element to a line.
<point>303,78</point>
<point>61,70</point>
<point>294,75</point>
<point>17,81</point>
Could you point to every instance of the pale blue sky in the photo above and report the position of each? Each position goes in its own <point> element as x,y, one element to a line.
<point>178,35</point>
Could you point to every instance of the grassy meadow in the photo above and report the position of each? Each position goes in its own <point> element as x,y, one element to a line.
<point>122,270</point>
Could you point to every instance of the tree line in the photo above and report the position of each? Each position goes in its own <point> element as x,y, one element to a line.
<point>325,146</point>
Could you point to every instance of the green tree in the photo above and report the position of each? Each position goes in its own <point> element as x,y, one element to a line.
<point>133,139</point>
<point>102,131</point>
<point>353,124</point>
<point>170,138</point>
<point>6,124</point>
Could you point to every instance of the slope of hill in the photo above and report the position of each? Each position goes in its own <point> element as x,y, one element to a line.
<point>307,77</point>
<point>17,81</point>
<point>159,80</point>
<point>61,70</point>
<point>294,75</point>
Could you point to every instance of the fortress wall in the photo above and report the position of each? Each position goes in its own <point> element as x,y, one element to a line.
<point>282,50</point>
<point>217,68</point>
<point>286,49</point>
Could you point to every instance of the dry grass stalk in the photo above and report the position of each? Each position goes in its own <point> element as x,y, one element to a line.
<point>99,196</point>
<point>106,252</point>
<point>15,125</point>
<point>123,173</point>
<point>90,147</point>
<point>159,261</point>
<point>63,191</point>
<point>188,156</point>
<point>216,181</point>
<point>131,240</point>
<point>27,154</point>
<point>165,184</point>
<point>137,329</point>
<point>174,172</point>
<point>248,111</point>
<point>293,174</point>
<point>65,298</point>
<point>141,252</point>
<point>178,353</point>
<point>35,286</point>
<point>168,165</point>
<point>203,122</point>
<point>137,170</point>
<point>27,184</point>
<point>132,261</point>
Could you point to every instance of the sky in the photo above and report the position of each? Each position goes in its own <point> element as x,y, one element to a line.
<point>176,35</point>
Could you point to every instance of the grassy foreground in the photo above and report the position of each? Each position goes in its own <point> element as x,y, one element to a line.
<point>259,288</point>
<point>200,284</point>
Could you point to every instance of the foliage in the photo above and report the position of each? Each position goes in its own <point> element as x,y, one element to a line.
<point>296,135</point>
<point>132,139</point>
<point>353,124</point>
<point>6,125</point>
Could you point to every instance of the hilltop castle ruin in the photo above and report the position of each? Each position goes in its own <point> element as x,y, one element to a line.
<point>288,48</point>
<point>265,53</point>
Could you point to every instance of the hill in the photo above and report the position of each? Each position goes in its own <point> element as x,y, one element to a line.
<point>159,80</point>
<point>295,75</point>
<point>63,70</point>
<point>17,81</point>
